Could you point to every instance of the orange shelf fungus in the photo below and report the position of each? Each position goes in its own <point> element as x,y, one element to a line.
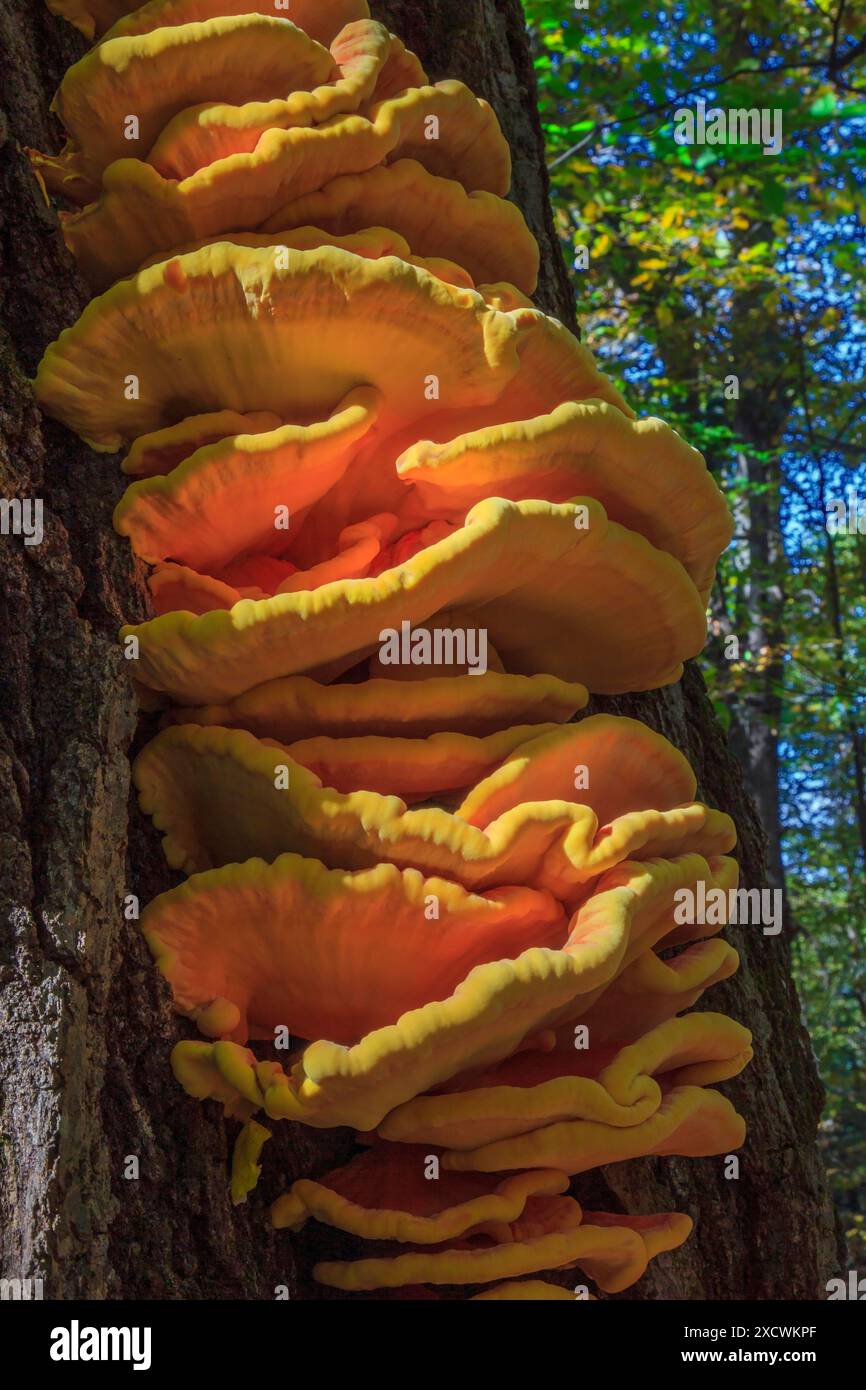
<point>245,1160</point>
<point>363,65</point>
<point>159,74</point>
<point>399,525</point>
<point>645,476</point>
<point>159,451</point>
<point>231,487</point>
<point>605,1087</point>
<point>238,115</point>
<point>412,768</point>
<point>516,1226</point>
<point>621,764</point>
<point>387,1193</point>
<point>190,779</point>
<point>321,19</point>
<point>490,1015</point>
<point>324,952</point>
<point>652,990</point>
<point>289,709</point>
<point>550,1235</point>
<point>691,1121</point>
<point>485,234</point>
<point>363,539</point>
<point>217,643</point>
<point>306,327</point>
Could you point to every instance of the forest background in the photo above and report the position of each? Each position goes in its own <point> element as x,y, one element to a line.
<point>725,285</point>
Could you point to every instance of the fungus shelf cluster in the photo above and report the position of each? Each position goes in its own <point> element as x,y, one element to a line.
<point>343,418</point>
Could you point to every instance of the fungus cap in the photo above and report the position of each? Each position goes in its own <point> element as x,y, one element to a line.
<point>536,1089</point>
<point>141,211</point>
<point>328,953</point>
<point>613,763</point>
<point>321,19</point>
<point>297,706</point>
<point>645,476</point>
<point>488,236</point>
<point>651,990</point>
<point>303,328</point>
<point>368,65</point>
<point>550,1235</point>
<point>222,500</point>
<point>513,568</point>
<point>159,74</point>
<point>486,1019</point>
<point>385,1194</point>
<point>191,779</point>
<point>415,769</point>
<point>245,1160</point>
<point>691,1121</point>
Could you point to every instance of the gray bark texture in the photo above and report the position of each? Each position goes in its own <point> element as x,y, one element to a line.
<point>86,1024</point>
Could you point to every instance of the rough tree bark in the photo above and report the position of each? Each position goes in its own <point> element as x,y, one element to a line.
<point>86,1025</point>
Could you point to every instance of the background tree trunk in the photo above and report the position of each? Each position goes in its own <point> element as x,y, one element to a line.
<point>86,1024</point>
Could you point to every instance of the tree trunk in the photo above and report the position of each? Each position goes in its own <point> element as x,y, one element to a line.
<point>87,1023</point>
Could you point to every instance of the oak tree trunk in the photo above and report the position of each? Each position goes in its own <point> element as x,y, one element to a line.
<point>85,1024</point>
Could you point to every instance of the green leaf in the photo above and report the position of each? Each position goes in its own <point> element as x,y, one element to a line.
<point>772,196</point>
<point>824,106</point>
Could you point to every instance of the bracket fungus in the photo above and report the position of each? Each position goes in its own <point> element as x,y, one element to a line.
<point>384,1194</point>
<point>159,74</point>
<point>550,1235</point>
<point>586,448</point>
<point>364,539</point>
<point>691,1121</point>
<point>297,706</point>
<point>491,1013</point>
<point>327,952</point>
<point>488,1229</point>
<point>607,1087</point>
<point>321,19</point>
<point>485,234</point>
<point>350,435</point>
<point>238,114</point>
<point>306,327</point>
<point>190,780</point>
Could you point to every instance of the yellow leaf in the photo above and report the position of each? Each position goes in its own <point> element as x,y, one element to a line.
<point>642,279</point>
<point>672,215</point>
<point>601,245</point>
<point>590,212</point>
<point>652,264</point>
